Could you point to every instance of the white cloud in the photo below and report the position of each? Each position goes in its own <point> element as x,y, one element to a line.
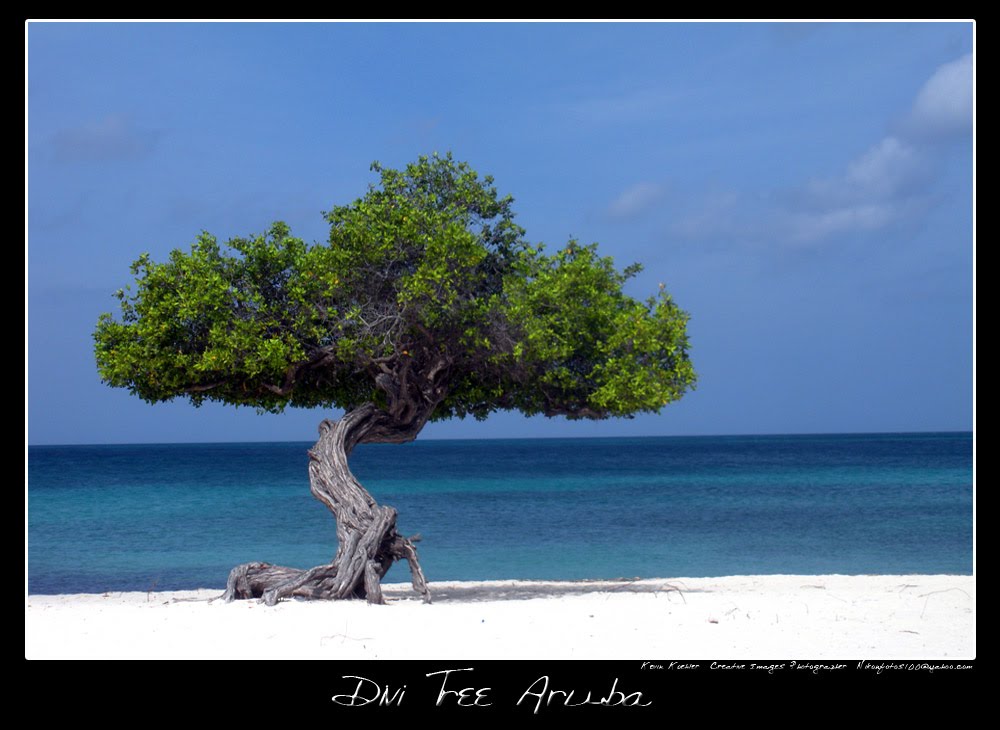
<point>889,169</point>
<point>635,199</point>
<point>943,107</point>
<point>889,184</point>
<point>810,227</point>
<point>884,169</point>
<point>877,189</point>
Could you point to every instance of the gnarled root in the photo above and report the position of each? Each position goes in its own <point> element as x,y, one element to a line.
<point>366,531</point>
<point>360,578</point>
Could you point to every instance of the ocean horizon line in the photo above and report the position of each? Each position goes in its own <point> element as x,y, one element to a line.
<point>804,434</point>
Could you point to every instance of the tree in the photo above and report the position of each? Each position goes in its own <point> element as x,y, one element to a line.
<point>425,303</point>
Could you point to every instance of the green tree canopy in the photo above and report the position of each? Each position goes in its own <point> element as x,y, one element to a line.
<point>425,300</point>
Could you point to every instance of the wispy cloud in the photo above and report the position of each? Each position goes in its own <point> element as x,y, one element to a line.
<point>888,184</point>
<point>883,171</point>
<point>635,200</point>
<point>114,137</point>
<point>878,188</point>
<point>807,227</point>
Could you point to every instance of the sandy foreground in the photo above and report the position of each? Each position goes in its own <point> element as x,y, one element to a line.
<point>745,617</point>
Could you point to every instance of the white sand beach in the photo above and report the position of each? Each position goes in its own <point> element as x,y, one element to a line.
<point>779,616</point>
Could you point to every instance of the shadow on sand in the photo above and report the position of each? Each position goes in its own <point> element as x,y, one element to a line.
<point>520,590</point>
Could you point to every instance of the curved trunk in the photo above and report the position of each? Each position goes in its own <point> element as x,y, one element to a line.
<point>368,543</point>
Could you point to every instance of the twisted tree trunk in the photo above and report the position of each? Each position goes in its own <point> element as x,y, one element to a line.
<point>368,543</point>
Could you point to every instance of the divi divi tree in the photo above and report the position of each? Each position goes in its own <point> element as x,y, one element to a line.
<point>425,303</point>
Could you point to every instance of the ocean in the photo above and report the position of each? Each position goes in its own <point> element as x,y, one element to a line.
<point>179,516</point>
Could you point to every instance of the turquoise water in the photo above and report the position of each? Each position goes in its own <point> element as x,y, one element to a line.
<point>139,517</point>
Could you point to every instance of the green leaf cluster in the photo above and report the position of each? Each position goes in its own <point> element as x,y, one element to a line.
<point>426,292</point>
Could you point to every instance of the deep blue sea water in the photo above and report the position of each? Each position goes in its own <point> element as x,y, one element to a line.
<point>164,517</point>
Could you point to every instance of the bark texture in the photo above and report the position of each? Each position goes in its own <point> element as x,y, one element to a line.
<point>368,542</point>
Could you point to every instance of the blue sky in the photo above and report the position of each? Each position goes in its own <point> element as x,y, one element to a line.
<point>804,191</point>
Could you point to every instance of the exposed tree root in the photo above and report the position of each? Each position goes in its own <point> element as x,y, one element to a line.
<point>368,543</point>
